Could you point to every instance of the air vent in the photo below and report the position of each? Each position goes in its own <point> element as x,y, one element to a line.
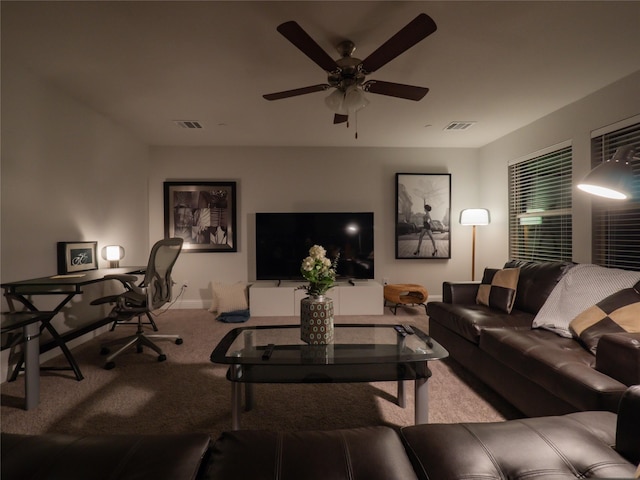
<point>188,123</point>
<point>459,126</point>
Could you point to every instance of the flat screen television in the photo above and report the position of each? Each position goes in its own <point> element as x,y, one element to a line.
<point>283,241</point>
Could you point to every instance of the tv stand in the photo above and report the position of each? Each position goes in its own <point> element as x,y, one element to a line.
<point>282,298</point>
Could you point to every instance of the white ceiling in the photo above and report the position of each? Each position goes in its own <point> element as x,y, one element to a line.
<point>145,64</point>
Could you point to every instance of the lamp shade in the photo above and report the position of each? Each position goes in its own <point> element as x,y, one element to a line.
<point>475,216</point>
<point>113,254</point>
<point>613,178</point>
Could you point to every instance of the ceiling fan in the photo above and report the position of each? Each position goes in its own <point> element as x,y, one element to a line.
<point>347,75</point>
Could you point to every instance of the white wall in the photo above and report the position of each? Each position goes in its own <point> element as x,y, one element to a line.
<point>314,179</point>
<point>68,174</point>
<point>573,123</point>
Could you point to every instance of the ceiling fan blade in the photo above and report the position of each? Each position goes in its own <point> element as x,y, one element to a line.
<point>410,92</point>
<point>307,45</point>
<point>337,118</point>
<point>296,91</point>
<point>418,29</point>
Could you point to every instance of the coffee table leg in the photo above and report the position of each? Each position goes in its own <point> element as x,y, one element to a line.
<point>248,396</point>
<point>401,398</point>
<point>422,401</point>
<point>236,394</point>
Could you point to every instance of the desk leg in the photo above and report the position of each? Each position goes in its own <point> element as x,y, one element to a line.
<point>54,333</point>
<point>32,365</point>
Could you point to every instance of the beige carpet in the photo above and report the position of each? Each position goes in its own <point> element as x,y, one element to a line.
<point>189,393</point>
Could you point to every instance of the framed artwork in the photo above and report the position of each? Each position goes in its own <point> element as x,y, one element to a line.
<point>203,214</point>
<point>77,257</point>
<point>423,215</point>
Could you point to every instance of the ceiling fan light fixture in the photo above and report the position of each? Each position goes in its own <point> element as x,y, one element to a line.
<point>335,102</point>
<point>354,100</point>
<point>346,102</point>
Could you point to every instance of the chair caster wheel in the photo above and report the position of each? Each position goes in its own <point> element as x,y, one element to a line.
<point>162,358</point>
<point>109,365</point>
<point>179,341</point>
<point>104,351</point>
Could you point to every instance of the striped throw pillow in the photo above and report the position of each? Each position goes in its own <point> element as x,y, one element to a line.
<point>498,288</point>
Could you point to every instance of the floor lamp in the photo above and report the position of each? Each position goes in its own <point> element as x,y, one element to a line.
<point>474,217</point>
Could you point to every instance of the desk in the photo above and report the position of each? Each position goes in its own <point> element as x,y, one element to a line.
<point>66,286</point>
<point>28,322</point>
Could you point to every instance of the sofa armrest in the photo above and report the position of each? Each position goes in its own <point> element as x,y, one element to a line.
<point>628,425</point>
<point>463,293</point>
<point>618,355</point>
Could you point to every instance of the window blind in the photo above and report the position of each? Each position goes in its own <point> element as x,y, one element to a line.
<point>540,224</point>
<point>615,223</point>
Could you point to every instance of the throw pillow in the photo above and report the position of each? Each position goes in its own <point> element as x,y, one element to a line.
<point>498,288</point>
<point>619,312</point>
<point>581,287</point>
<point>228,297</point>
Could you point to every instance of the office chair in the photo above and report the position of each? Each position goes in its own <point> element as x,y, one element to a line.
<point>142,299</point>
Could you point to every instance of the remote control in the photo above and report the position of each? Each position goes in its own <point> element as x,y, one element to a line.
<point>408,329</point>
<point>268,351</point>
<point>400,330</point>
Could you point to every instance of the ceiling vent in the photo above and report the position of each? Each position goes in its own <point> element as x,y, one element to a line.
<point>188,123</point>
<point>459,126</point>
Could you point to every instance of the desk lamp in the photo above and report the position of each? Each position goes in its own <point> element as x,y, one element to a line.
<point>113,254</point>
<point>474,217</point>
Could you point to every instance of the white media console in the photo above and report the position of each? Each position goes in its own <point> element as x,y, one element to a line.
<point>270,298</point>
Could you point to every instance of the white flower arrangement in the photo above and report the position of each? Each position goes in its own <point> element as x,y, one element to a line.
<point>319,271</point>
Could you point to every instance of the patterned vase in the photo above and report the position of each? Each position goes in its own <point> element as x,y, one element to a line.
<point>316,320</point>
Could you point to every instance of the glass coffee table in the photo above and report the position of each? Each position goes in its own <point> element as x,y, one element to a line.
<point>359,353</point>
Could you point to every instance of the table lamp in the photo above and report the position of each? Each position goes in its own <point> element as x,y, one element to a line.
<point>113,254</point>
<point>474,217</point>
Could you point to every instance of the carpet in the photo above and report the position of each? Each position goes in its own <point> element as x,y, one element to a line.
<point>187,393</point>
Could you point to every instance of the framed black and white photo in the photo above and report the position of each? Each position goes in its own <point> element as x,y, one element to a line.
<point>77,257</point>
<point>423,215</point>
<point>203,214</point>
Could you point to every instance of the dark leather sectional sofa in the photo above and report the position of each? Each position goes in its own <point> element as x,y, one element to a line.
<point>575,446</point>
<point>536,370</point>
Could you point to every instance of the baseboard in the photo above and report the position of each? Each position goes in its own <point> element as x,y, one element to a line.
<point>204,304</point>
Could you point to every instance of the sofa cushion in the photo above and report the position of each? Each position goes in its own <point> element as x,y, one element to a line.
<point>619,312</point>
<point>536,281</point>
<point>125,457</point>
<point>581,287</point>
<point>468,321</point>
<point>577,445</point>
<point>368,452</point>
<point>498,288</point>
<point>557,364</point>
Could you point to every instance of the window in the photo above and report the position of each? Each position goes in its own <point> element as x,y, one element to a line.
<point>615,223</point>
<point>540,207</point>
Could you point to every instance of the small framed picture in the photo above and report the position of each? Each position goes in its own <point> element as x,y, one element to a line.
<point>77,257</point>
<point>203,214</point>
<point>423,216</point>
